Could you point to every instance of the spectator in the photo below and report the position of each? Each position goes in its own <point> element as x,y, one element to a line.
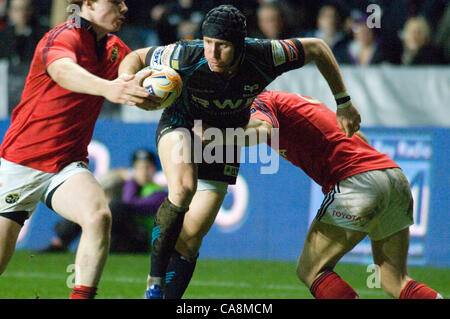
<point>20,37</point>
<point>443,33</point>
<point>329,27</point>
<point>2,14</point>
<point>365,48</point>
<point>178,20</point>
<point>417,46</point>
<point>132,214</point>
<point>270,22</point>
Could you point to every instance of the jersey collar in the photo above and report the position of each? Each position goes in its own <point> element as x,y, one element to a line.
<point>100,46</point>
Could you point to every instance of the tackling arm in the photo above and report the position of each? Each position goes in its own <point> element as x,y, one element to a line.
<point>134,61</point>
<point>256,132</point>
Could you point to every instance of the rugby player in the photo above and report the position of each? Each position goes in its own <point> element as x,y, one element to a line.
<point>367,194</point>
<point>222,74</point>
<point>44,152</point>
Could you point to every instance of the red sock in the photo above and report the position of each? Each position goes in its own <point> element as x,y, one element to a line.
<point>415,290</point>
<point>330,286</point>
<point>83,292</point>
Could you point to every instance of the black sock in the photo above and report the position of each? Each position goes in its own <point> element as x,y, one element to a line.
<point>168,224</point>
<point>178,275</point>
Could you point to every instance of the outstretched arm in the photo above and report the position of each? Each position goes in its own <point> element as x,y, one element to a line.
<point>130,65</point>
<point>317,51</point>
<point>71,76</point>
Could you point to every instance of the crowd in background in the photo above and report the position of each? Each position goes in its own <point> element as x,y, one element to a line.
<point>410,32</point>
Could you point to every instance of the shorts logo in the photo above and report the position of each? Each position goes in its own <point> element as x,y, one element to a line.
<point>231,170</point>
<point>346,216</point>
<point>114,54</point>
<point>12,198</point>
<point>82,165</point>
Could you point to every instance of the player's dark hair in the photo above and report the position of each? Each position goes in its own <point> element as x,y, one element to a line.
<point>143,154</point>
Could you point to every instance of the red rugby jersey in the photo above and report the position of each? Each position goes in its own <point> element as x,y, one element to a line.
<point>52,126</point>
<point>310,138</point>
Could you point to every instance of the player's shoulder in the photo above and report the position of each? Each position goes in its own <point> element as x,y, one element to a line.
<point>63,29</point>
<point>114,41</point>
<point>253,45</point>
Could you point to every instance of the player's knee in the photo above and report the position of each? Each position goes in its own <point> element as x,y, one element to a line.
<point>182,194</point>
<point>99,221</point>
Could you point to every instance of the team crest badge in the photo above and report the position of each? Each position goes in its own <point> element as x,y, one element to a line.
<point>114,54</point>
<point>12,198</point>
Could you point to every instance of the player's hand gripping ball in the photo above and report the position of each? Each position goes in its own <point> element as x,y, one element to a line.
<point>164,82</point>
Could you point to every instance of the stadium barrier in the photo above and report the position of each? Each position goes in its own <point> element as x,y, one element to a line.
<point>266,216</point>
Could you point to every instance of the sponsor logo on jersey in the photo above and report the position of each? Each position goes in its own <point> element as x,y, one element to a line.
<point>114,54</point>
<point>252,110</point>
<point>251,88</point>
<point>12,198</point>
<point>278,55</point>
<point>228,103</point>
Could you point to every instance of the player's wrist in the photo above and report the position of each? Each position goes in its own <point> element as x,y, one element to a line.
<point>343,100</point>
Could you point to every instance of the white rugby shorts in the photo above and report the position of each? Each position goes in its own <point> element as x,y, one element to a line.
<point>22,187</point>
<point>377,202</point>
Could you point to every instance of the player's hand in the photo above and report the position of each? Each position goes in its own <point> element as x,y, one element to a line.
<point>348,120</point>
<point>150,104</point>
<point>127,89</point>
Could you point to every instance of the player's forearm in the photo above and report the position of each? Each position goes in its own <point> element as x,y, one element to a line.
<point>319,52</point>
<point>256,132</point>
<point>75,78</point>
<point>133,62</point>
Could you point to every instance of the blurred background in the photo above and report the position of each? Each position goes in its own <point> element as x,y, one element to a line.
<point>394,57</point>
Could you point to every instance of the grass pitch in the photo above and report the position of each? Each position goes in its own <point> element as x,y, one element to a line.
<point>37,275</point>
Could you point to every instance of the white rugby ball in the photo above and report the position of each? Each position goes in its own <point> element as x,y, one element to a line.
<point>164,82</point>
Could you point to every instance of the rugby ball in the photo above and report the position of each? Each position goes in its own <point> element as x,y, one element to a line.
<point>164,82</point>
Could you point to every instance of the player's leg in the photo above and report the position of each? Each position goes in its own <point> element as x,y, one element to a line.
<point>174,150</point>
<point>9,231</point>
<point>21,190</point>
<point>197,222</point>
<point>390,242</point>
<point>81,199</point>
<point>390,254</point>
<point>324,246</point>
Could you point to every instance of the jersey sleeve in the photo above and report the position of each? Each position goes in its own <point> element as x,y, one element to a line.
<point>180,56</point>
<point>287,55</point>
<point>263,108</point>
<point>60,44</point>
<point>274,57</point>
